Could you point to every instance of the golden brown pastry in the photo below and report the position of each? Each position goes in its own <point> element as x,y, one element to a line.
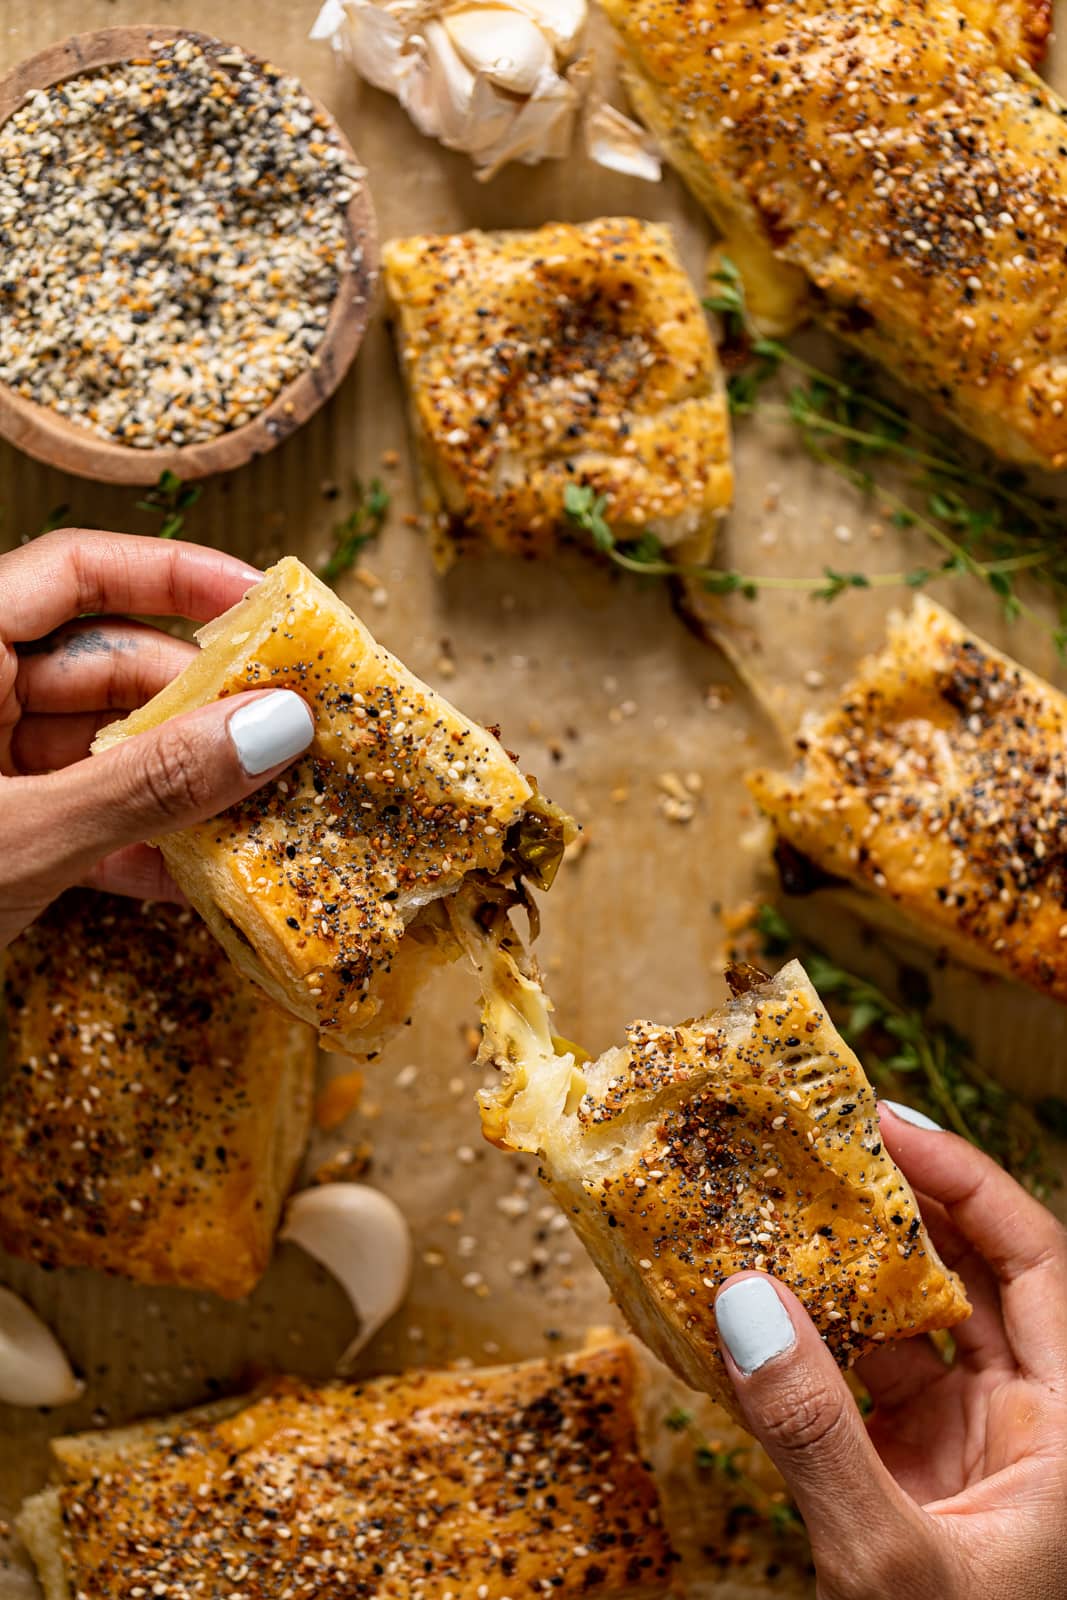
<point>747,1139</point>
<point>937,787</point>
<point>326,885</point>
<point>894,167</point>
<point>475,1485</point>
<point>154,1110</point>
<point>576,354</point>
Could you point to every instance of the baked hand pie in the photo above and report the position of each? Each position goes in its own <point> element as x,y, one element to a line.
<point>326,886</point>
<point>574,354</point>
<point>491,1484</point>
<point>932,798</point>
<point>896,168</point>
<point>747,1139</point>
<point>153,1110</point>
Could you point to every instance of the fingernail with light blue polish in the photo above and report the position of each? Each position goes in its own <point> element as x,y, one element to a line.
<point>918,1119</point>
<point>271,730</point>
<point>753,1323</point>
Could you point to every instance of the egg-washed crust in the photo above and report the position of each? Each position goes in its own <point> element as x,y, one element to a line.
<point>483,1483</point>
<point>324,886</point>
<point>745,1140</point>
<point>938,785</point>
<point>153,1110</point>
<point>576,354</point>
<point>890,165</point>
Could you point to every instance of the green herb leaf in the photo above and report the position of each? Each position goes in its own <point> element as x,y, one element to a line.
<point>358,529</point>
<point>677,1420</point>
<point>586,510</point>
<point>56,518</point>
<point>837,583</point>
<point>169,501</point>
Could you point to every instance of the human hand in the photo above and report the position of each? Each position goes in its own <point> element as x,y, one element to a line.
<point>957,1487</point>
<point>67,819</point>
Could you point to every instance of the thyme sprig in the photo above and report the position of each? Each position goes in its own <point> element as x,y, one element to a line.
<point>169,500</point>
<point>921,1060</point>
<point>358,529</point>
<point>755,1502</point>
<point>981,517</point>
<point>644,556</point>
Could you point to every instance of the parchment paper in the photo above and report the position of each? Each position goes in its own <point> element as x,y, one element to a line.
<point>603,692</point>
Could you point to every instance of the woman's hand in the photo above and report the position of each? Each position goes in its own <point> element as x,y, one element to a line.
<point>67,819</point>
<point>957,1488</point>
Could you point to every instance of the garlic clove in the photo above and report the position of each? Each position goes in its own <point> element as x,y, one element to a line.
<point>445,86</point>
<point>614,141</point>
<point>360,1236</point>
<point>380,45</point>
<point>330,22</point>
<point>562,20</point>
<point>540,131</point>
<point>509,48</point>
<point>34,1370</point>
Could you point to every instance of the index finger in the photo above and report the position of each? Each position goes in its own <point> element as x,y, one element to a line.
<point>77,570</point>
<point>1021,1241</point>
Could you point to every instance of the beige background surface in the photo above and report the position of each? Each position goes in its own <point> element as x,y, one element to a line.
<point>601,689</point>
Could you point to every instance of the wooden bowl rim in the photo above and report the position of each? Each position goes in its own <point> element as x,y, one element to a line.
<point>73,447</point>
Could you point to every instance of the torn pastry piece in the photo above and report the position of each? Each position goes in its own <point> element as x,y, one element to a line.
<point>573,355</point>
<point>153,1111</point>
<point>326,885</point>
<point>894,167</point>
<point>484,1483</point>
<point>932,797</point>
<point>747,1139</point>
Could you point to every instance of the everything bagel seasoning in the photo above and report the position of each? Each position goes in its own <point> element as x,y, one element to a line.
<point>172,234</point>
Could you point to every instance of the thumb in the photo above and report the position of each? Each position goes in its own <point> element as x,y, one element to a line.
<point>867,1536</point>
<point>188,769</point>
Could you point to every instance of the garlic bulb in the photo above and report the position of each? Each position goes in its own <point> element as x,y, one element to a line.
<point>360,1236</point>
<point>34,1371</point>
<point>502,80</point>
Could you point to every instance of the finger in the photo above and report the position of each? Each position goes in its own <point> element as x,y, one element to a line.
<point>45,744</point>
<point>138,871</point>
<point>1020,1242</point>
<point>894,1374</point>
<point>981,1339</point>
<point>797,1404</point>
<point>108,662</point>
<point>188,769</point>
<point>63,575</point>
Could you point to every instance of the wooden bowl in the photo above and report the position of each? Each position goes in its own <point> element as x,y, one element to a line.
<point>74,447</point>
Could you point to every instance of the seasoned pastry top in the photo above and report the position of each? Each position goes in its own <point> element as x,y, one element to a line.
<point>141,1087</point>
<point>573,354</point>
<point>940,783</point>
<point>397,799</point>
<point>751,1140</point>
<point>904,162</point>
<point>487,1484</point>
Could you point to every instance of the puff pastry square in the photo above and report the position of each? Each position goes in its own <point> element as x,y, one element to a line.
<point>747,1139</point>
<point>576,354</point>
<point>433,1484</point>
<point>325,886</point>
<point>154,1111</point>
<point>937,789</point>
<point>895,167</point>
